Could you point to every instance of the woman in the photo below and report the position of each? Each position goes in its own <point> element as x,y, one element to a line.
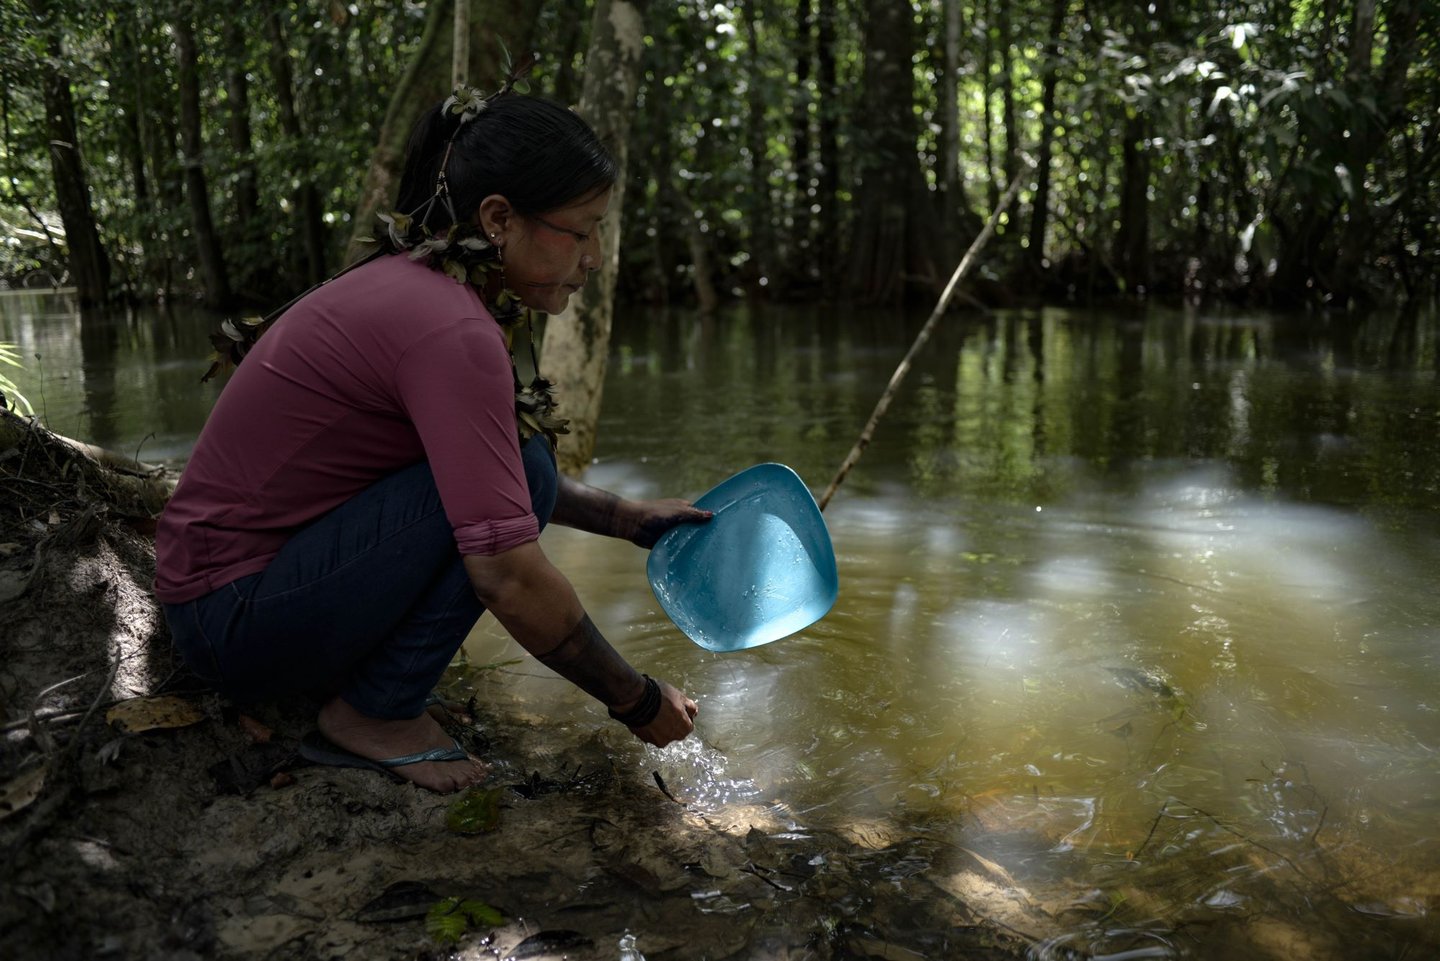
<point>375,476</point>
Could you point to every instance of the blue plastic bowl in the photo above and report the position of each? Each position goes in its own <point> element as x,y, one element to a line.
<point>761,569</point>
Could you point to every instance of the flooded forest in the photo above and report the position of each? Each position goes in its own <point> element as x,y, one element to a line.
<point>1136,646</point>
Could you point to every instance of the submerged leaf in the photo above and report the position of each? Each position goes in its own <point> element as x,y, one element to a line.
<point>477,811</point>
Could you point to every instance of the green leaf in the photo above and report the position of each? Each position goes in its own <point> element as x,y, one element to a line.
<point>445,922</point>
<point>481,913</point>
<point>477,811</point>
<point>450,918</point>
<point>456,270</point>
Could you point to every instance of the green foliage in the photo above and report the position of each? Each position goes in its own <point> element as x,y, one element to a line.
<point>476,812</point>
<point>1265,152</point>
<point>10,395</point>
<point>450,918</point>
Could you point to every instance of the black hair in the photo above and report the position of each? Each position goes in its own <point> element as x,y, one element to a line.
<point>536,153</point>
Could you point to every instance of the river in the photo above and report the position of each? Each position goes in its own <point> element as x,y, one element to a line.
<point>1137,608</point>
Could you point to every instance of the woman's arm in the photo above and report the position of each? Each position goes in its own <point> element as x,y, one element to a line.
<point>538,607</point>
<point>597,511</point>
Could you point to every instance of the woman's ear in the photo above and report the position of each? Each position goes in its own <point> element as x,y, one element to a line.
<point>495,217</point>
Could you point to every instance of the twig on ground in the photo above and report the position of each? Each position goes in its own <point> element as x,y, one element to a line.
<point>95,704</point>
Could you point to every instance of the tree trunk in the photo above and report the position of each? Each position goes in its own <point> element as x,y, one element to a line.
<point>1040,210</point>
<point>127,89</point>
<point>706,298</point>
<point>950,120</point>
<point>897,233</point>
<point>1387,86</point>
<point>1011,161</point>
<point>307,197</point>
<point>802,241</point>
<point>762,228</point>
<point>207,244</point>
<point>496,26</point>
<point>567,46</point>
<point>237,87</point>
<point>1132,242</point>
<point>460,44</point>
<point>577,341</point>
<point>89,264</point>
<point>829,131</point>
<point>122,37</point>
<point>992,186</point>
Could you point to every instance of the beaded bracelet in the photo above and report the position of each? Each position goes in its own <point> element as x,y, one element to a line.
<point>645,710</point>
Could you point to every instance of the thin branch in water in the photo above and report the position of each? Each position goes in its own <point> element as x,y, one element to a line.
<point>898,377</point>
<point>1247,839</point>
<point>1153,825</point>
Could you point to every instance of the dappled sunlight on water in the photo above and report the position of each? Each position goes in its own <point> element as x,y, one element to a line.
<point>1181,705</point>
<point>1122,654</point>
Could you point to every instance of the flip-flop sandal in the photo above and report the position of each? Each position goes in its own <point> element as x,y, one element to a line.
<point>318,749</point>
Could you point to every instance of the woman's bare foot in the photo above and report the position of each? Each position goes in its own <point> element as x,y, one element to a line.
<point>379,739</point>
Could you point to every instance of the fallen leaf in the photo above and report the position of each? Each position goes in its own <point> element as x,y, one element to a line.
<point>22,791</point>
<point>550,942</point>
<point>54,519</point>
<point>152,713</point>
<point>477,811</point>
<point>9,548</point>
<point>402,901</point>
<point>281,779</point>
<point>255,730</point>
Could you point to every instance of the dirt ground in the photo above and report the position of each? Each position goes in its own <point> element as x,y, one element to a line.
<point>215,840</point>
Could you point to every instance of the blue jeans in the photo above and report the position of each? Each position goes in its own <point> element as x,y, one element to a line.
<point>370,601</point>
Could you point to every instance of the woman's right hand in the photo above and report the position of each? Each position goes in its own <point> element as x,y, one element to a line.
<point>674,722</point>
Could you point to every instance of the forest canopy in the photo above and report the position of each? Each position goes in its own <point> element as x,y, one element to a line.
<point>1259,151</point>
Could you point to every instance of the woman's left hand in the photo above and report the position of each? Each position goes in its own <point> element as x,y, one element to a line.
<point>654,518</point>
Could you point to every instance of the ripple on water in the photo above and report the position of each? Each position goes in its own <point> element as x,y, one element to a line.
<point>697,774</point>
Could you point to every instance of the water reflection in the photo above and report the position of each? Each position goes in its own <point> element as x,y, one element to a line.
<point>128,380</point>
<point>1140,611</point>
<point>1137,612</point>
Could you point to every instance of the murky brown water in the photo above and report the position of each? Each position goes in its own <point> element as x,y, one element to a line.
<point>1140,610</point>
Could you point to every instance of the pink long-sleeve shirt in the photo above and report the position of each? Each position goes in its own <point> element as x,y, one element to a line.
<point>388,365</point>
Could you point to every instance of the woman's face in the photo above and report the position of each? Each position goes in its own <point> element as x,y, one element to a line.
<point>549,256</point>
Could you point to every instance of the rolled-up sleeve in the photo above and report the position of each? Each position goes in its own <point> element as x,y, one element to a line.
<point>457,387</point>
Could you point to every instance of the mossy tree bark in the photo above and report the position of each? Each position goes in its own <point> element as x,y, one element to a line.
<point>577,342</point>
